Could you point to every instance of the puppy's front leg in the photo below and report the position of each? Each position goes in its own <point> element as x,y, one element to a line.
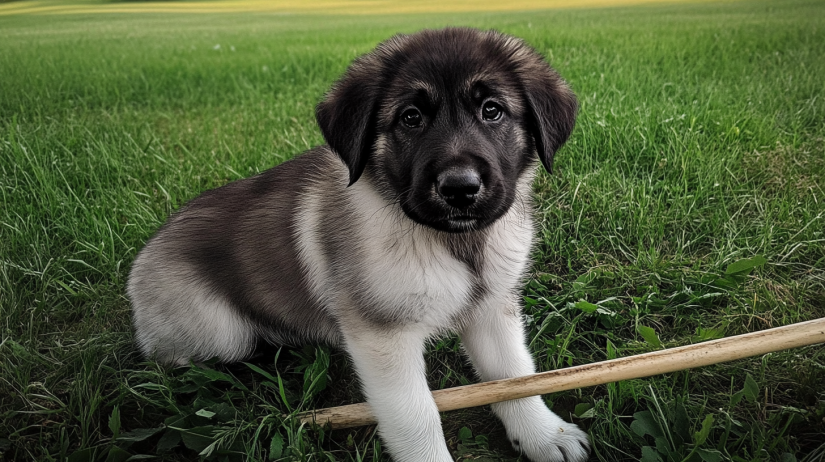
<point>494,341</point>
<point>390,365</point>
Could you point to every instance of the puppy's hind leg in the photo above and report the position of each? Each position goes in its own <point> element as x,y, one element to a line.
<point>390,365</point>
<point>494,341</point>
<point>177,321</point>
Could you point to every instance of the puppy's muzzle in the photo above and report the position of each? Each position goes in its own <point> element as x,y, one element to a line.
<point>458,188</point>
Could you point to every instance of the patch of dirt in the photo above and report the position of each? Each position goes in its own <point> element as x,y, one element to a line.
<point>785,168</point>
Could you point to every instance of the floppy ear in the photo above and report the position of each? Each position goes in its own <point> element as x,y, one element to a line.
<point>553,108</point>
<point>347,114</point>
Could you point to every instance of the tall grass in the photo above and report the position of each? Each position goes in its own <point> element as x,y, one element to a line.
<point>700,143</point>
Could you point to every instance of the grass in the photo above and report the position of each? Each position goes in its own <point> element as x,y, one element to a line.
<point>700,143</point>
<point>340,7</point>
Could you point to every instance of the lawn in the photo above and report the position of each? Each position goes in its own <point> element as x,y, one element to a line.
<point>700,143</point>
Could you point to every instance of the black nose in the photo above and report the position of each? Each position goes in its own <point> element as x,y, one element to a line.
<point>459,187</point>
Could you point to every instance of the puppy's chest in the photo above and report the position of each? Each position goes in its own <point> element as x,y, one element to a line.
<point>414,275</point>
<point>414,281</point>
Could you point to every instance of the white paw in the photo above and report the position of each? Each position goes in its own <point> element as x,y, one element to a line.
<point>541,435</point>
<point>562,443</point>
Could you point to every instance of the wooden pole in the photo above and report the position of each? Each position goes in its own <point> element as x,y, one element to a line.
<point>632,367</point>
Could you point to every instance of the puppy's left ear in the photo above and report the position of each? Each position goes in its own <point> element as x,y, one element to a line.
<point>347,114</point>
<point>553,108</point>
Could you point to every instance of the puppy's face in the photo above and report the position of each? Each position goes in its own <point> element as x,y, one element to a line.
<point>452,139</point>
<point>446,122</point>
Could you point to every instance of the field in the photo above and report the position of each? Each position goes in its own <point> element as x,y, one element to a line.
<point>338,7</point>
<point>688,205</point>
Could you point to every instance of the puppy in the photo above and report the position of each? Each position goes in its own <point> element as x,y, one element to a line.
<point>414,221</point>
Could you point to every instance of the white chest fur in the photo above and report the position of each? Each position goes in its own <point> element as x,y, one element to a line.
<point>507,250</point>
<point>401,271</point>
<point>406,270</point>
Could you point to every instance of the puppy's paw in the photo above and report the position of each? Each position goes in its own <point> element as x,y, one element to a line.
<point>538,433</point>
<point>559,442</point>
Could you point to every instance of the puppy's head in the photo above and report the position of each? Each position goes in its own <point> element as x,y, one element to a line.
<point>447,121</point>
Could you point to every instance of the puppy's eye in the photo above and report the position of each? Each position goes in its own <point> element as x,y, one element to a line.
<point>411,118</point>
<point>491,111</point>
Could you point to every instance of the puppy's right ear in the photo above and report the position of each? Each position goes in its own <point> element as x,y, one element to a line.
<point>347,115</point>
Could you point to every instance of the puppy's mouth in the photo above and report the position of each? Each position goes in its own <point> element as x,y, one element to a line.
<point>432,209</point>
<point>432,214</point>
<point>462,223</point>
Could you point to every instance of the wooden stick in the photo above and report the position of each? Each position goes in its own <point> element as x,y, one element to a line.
<point>632,367</point>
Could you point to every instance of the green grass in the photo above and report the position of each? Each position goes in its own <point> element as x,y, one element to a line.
<point>700,142</point>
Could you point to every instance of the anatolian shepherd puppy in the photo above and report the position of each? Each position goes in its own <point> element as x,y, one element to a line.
<point>414,221</point>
